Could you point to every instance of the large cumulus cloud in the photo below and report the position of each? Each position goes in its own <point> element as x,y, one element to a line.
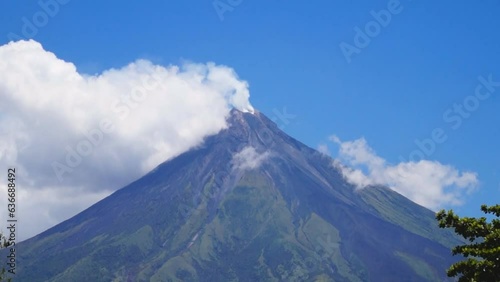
<point>75,138</point>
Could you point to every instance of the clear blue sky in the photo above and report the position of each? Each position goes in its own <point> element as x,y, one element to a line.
<point>396,89</point>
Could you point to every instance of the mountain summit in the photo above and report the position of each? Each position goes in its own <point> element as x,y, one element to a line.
<point>249,204</point>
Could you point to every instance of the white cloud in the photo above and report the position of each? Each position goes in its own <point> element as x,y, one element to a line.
<point>249,158</point>
<point>428,183</point>
<point>353,176</point>
<point>323,148</point>
<point>62,129</point>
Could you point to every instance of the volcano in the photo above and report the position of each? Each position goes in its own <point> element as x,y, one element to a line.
<point>249,204</point>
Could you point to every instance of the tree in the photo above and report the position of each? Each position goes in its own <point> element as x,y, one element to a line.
<point>482,255</point>
<point>3,244</point>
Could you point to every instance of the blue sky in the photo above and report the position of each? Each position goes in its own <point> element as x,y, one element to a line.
<point>393,91</point>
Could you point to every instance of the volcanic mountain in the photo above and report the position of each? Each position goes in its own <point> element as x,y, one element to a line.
<point>249,204</point>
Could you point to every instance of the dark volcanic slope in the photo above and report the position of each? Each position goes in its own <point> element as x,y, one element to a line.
<point>204,216</point>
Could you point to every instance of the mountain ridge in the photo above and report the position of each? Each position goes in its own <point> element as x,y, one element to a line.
<point>201,217</point>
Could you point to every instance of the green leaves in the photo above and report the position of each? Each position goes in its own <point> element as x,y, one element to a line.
<point>3,244</point>
<point>483,253</point>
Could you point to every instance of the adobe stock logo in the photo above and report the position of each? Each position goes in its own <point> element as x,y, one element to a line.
<point>363,37</point>
<point>454,116</point>
<point>31,26</point>
<point>221,7</point>
<point>92,139</point>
